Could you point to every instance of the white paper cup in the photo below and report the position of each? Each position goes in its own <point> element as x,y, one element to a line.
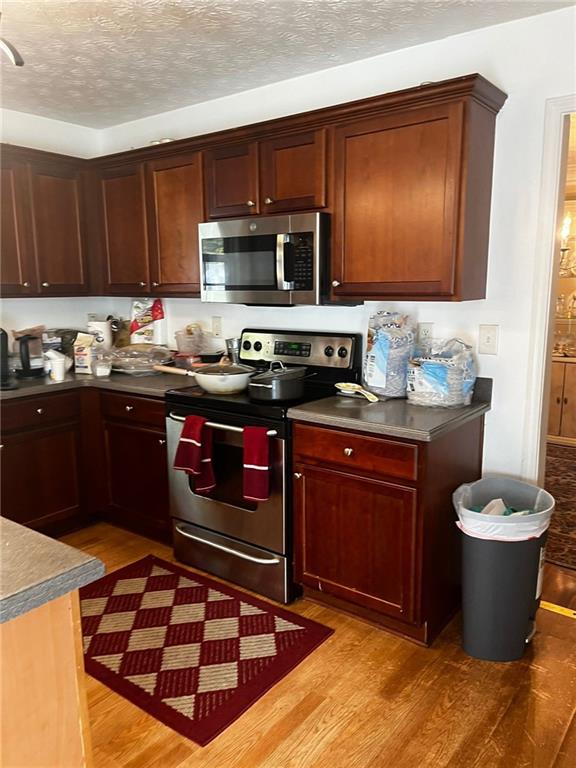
<point>58,370</point>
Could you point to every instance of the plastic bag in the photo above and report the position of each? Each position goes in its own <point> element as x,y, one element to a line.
<point>443,377</point>
<point>499,527</point>
<point>390,344</point>
<point>148,325</point>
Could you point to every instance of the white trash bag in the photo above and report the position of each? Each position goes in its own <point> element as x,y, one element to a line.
<point>498,527</point>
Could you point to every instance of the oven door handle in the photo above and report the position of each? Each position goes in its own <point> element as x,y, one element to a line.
<point>224,427</point>
<point>259,560</point>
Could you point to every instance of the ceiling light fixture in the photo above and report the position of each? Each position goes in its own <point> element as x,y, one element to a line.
<point>10,52</point>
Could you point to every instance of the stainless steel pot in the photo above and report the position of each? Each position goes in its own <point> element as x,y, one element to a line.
<point>224,379</point>
<point>278,384</point>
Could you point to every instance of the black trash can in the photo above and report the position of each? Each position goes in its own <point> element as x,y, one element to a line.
<point>502,561</point>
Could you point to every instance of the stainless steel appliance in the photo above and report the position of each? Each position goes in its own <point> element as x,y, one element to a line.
<point>242,541</point>
<point>268,260</point>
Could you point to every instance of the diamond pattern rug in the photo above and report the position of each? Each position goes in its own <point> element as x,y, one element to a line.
<point>188,650</point>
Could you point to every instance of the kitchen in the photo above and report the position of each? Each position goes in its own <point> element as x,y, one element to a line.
<point>511,266</point>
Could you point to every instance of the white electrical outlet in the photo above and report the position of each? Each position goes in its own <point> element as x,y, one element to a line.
<point>425,332</point>
<point>216,326</point>
<point>488,339</point>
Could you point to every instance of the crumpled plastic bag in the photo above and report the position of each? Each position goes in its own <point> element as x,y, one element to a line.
<point>443,377</point>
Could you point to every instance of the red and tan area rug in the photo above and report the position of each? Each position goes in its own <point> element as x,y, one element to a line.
<point>191,652</point>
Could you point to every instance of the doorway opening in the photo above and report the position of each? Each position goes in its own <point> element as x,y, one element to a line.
<point>560,462</point>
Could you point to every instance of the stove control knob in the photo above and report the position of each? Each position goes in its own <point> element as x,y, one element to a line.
<point>246,345</point>
<point>257,346</point>
<point>328,351</point>
<point>342,352</point>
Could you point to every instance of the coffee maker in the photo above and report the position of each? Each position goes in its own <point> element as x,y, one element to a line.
<point>7,380</point>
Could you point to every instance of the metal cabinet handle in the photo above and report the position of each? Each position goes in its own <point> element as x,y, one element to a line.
<point>335,283</point>
<point>565,401</point>
<point>298,475</point>
<point>161,441</point>
<point>45,285</point>
<point>268,200</point>
<point>141,283</point>
<point>40,411</point>
<point>129,408</point>
<point>250,203</point>
<point>155,285</point>
<point>348,451</point>
<point>558,400</point>
<point>26,284</point>
<point>261,560</point>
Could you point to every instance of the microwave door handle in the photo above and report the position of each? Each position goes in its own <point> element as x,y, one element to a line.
<point>284,263</point>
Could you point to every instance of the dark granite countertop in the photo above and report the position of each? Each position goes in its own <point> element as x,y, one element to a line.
<point>35,569</point>
<point>155,385</point>
<point>393,418</point>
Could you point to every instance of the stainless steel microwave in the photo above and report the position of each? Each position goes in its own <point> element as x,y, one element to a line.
<point>268,260</point>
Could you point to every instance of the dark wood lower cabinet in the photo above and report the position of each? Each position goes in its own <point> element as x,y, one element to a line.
<point>382,548</point>
<point>357,539</point>
<point>40,463</point>
<point>137,475</point>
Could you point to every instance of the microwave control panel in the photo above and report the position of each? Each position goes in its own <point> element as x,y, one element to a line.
<point>303,261</point>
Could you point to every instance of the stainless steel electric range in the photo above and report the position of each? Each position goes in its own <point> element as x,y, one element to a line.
<point>246,542</point>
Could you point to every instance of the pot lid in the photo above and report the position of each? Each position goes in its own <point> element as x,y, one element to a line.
<point>221,369</point>
<point>284,374</point>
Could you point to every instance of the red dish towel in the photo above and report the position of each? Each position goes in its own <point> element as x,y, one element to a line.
<point>194,454</point>
<point>256,464</point>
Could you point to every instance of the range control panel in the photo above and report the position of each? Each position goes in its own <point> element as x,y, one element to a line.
<point>303,347</point>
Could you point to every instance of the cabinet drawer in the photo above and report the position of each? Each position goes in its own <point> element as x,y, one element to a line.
<point>39,411</point>
<point>356,453</point>
<point>134,409</point>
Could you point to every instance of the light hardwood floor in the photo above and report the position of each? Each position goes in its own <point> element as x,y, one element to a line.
<point>367,699</point>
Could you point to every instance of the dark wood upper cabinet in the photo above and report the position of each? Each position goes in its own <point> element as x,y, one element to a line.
<point>17,270</point>
<point>175,208</point>
<point>125,236</point>
<point>412,203</point>
<point>231,174</point>
<point>56,203</point>
<point>293,172</point>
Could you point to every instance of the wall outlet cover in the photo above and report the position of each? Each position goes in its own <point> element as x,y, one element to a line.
<point>217,326</point>
<point>425,332</point>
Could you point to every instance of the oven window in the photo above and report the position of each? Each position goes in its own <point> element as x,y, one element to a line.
<point>227,462</point>
<point>240,263</point>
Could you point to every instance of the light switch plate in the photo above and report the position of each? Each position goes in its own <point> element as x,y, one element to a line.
<point>488,339</point>
<point>216,326</point>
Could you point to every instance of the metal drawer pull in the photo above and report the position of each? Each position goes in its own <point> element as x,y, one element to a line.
<point>298,475</point>
<point>224,427</point>
<point>26,284</point>
<point>161,441</point>
<point>348,451</point>
<point>268,200</point>
<point>142,283</point>
<point>45,285</point>
<point>129,408</point>
<point>260,560</point>
<point>335,283</point>
<point>155,285</point>
<point>40,411</point>
<point>250,203</point>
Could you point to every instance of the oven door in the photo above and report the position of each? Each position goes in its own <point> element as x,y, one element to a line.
<point>226,511</point>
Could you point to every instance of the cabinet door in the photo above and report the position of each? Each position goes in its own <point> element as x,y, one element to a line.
<point>136,463</point>
<point>17,264</point>
<point>396,206</point>
<point>569,401</point>
<point>232,180</point>
<point>293,172</point>
<point>125,230</point>
<point>556,393</point>
<point>40,476</point>
<point>57,221</point>
<point>175,208</point>
<point>356,539</point>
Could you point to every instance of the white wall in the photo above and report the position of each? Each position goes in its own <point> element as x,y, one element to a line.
<point>50,135</point>
<point>16,314</point>
<point>532,60</point>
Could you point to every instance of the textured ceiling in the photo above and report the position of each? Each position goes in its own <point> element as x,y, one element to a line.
<point>103,62</point>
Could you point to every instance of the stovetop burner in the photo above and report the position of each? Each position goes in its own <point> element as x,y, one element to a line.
<point>330,357</point>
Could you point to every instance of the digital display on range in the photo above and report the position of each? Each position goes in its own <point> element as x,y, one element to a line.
<point>292,348</point>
